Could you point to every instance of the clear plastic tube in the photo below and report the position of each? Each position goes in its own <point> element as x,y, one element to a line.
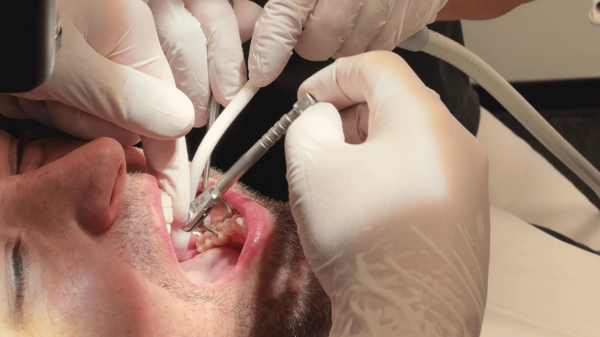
<point>465,60</point>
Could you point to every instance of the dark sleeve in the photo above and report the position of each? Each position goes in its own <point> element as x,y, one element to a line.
<point>450,83</point>
<point>268,174</point>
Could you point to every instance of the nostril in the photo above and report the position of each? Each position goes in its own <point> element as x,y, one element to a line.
<point>116,197</point>
<point>99,174</point>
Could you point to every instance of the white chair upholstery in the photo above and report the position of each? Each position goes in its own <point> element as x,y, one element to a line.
<point>523,183</point>
<point>538,285</point>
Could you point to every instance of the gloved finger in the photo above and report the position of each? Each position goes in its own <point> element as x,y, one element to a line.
<point>407,25</point>
<point>37,110</point>
<point>83,125</point>
<point>246,13</point>
<point>316,131</point>
<point>370,22</point>
<point>355,121</point>
<point>327,27</point>
<point>318,127</point>
<point>120,94</point>
<point>274,38</point>
<point>168,162</point>
<point>381,79</point>
<point>124,32</point>
<point>10,107</point>
<point>184,45</point>
<point>166,159</point>
<point>226,66</point>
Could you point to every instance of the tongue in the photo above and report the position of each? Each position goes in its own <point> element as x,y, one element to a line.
<point>211,265</point>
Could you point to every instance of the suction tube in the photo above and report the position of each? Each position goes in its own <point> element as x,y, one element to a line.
<point>181,238</point>
<point>448,50</point>
<point>215,133</point>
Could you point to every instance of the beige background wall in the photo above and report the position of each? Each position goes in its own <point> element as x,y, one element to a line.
<point>542,40</point>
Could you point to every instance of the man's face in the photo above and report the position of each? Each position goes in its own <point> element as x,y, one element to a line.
<point>84,251</point>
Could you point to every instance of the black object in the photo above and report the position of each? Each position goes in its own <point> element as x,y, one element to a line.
<point>550,95</point>
<point>566,239</point>
<point>29,37</point>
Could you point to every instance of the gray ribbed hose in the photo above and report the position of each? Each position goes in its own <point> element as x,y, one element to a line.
<point>448,50</point>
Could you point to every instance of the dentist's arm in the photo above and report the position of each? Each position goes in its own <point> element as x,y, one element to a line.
<point>394,225</point>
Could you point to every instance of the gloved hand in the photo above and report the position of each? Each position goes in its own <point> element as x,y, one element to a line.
<point>395,228</point>
<point>112,79</point>
<point>201,39</point>
<point>595,13</point>
<point>320,29</point>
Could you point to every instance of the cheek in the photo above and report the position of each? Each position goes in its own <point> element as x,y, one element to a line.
<point>84,295</point>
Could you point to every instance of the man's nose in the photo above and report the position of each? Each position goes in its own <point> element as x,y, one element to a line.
<point>91,181</point>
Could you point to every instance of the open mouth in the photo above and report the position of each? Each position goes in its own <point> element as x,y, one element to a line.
<point>211,258</point>
<point>224,257</point>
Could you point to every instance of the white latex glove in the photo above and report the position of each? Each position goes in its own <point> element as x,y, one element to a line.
<point>595,13</point>
<point>112,79</point>
<point>395,228</point>
<point>201,39</point>
<point>320,29</point>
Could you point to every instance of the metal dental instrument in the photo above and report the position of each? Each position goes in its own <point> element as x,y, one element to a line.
<point>205,202</point>
<point>214,110</point>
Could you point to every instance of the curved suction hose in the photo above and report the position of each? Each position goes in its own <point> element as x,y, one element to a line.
<point>181,238</point>
<point>215,133</point>
<point>448,50</point>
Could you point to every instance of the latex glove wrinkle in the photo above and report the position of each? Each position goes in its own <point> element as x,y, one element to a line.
<point>395,226</point>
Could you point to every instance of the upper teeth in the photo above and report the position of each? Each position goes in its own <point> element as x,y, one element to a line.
<point>226,229</point>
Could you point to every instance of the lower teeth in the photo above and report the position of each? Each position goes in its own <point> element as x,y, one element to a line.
<point>226,229</point>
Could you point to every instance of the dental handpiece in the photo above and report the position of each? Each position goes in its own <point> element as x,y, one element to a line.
<point>205,202</point>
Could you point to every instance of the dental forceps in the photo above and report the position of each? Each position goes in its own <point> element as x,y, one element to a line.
<point>201,207</point>
<point>214,111</point>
